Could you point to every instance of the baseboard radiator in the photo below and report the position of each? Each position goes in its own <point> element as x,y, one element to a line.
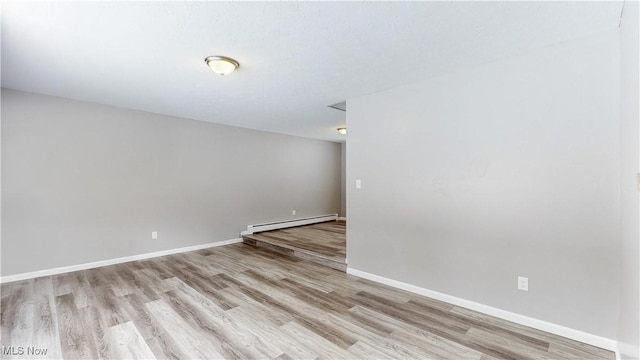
<point>288,223</point>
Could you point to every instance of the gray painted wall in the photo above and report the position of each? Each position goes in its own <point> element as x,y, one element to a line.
<point>628,332</point>
<point>83,182</point>
<point>511,168</point>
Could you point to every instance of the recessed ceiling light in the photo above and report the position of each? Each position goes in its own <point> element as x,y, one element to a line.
<point>221,65</point>
<point>342,130</point>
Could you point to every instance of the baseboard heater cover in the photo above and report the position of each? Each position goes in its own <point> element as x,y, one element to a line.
<point>288,223</point>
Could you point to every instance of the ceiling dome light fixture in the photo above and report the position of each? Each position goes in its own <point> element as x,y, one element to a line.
<point>342,130</point>
<point>221,65</point>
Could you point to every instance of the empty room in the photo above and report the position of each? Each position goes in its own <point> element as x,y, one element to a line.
<point>320,180</point>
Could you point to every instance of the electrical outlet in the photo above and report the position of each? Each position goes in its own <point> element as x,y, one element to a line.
<point>154,235</point>
<point>293,212</point>
<point>523,283</point>
<point>358,184</point>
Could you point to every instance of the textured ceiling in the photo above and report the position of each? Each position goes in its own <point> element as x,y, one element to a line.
<point>296,57</point>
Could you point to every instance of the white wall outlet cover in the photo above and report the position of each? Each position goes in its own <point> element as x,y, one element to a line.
<point>293,212</point>
<point>523,283</point>
<point>154,234</point>
<point>358,183</point>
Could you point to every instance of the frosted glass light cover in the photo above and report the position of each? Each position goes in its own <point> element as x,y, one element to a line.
<point>220,65</point>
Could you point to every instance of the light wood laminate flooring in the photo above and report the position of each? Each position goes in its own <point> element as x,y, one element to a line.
<point>242,302</point>
<point>323,243</point>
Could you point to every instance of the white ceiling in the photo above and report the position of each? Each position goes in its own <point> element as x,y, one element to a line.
<point>296,57</point>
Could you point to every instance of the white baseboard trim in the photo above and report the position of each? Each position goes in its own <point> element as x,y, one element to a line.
<point>96,264</point>
<point>288,223</point>
<point>342,218</point>
<point>560,330</point>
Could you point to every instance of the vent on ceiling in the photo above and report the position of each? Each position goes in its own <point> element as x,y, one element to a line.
<point>342,106</point>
